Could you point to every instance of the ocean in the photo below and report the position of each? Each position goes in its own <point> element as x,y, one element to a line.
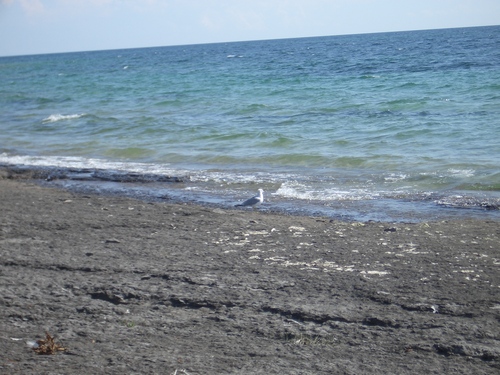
<point>401,126</point>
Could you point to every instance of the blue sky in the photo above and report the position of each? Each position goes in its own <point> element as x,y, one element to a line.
<point>46,26</point>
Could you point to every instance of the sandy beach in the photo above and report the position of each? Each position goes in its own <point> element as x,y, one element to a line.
<point>134,287</point>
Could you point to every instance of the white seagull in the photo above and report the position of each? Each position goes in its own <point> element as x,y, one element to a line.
<point>254,201</point>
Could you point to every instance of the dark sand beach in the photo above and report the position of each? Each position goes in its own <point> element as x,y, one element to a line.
<point>134,287</point>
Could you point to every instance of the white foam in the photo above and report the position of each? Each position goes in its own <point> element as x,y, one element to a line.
<point>461,172</point>
<point>237,178</point>
<point>395,177</point>
<point>223,178</point>
<point>295,190</point>
<point>85,163</point>
<point>451,172</point>
<point>59,117</point>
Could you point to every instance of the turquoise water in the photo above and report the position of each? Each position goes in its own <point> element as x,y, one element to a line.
<point>390,126</point>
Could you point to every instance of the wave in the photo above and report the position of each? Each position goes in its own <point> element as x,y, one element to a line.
<point>59,117</point>
<point>296,190</point>
<point>77,163</point>
<point>388,197</point>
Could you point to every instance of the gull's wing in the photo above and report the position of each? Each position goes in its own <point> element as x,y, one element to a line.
<point>252,201</point>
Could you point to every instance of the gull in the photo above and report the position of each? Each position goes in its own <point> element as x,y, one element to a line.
<point>254,201</point>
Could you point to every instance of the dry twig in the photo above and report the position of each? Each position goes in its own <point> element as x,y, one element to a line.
<point>48,346</point>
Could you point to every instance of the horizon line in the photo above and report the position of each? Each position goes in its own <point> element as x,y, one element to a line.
<point>244,41</point>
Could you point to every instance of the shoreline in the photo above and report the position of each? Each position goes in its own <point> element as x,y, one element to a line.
<point>157,287</point>
<point>154,187</point>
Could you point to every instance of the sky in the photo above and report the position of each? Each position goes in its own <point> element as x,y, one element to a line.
<point>48,26</point>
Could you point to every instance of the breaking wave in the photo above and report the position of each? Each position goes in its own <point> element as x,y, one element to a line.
<point>59,117</point>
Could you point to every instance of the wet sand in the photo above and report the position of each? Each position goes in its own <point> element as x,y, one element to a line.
<point>129,286</point>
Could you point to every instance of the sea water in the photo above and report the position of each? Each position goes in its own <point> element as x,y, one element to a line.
<point>400,126</point>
